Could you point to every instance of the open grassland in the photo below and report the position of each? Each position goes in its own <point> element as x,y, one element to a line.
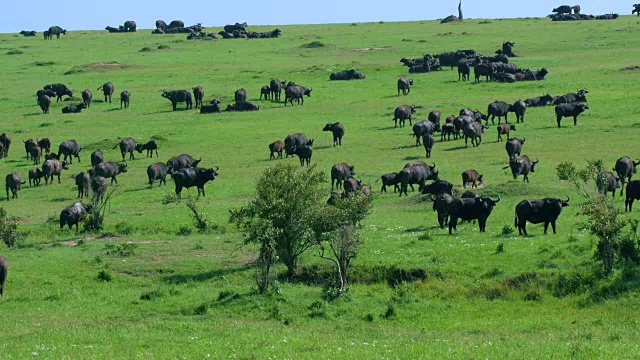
<point>192,295</point>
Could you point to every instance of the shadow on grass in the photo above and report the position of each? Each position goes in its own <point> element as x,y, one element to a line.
<point>114,109</point>
<point>322,147</point>
<point>179,279</point>
<point>455,148</point>
<point>404,147</point>
<point>413,158</point>
<point>34,114</point>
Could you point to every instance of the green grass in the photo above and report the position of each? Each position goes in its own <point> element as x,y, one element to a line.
<point>141,289</point>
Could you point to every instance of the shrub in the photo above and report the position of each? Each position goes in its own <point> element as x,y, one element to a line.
<point>313,45</point>
<point>122,250</point>
<point>152,294</point>
<point>124,228</point>
<point>15,52</point>
<point>104,275</point>
<point>185,230</point>
<point>9,229</point>
<point>507,230</point>
<point>170,198</point>
<point>500,248</point>
<point>162,47</point>
<point>145,49</point>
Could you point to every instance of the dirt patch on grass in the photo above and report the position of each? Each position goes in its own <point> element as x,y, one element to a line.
<point>374,48</point>
<point>99,66</point>
<point>631,68</point>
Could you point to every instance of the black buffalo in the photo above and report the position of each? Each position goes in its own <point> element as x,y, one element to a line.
<point>404,85</point>
<point>441,203</point>
<point>428,141</point>
<point>293,141</point>
<point>416,173</point>
<point>276,147</point>
<point>474,132</point>
<point>86,97</point>
<point>109,170</point>
<point>471,208</point>
<point>389,180</point>
<point>519,108</point>
<point>51,168</point>
<point>99,187</point>
<point>240,95</point>
<point>35,175</point>
<point>339,172</point>
<point>12,182</point>
<point>73,214</point>
<point>128,145</point>
<point>296,92</point>
<point>198,94</point>
<point>130,26</point>
<point>633,193</point>
<point>74,109</point>
<point>265,91</point>
<point>276,87</point>
<point>403,113</point>
<point>28,33</point>
<point>243,106</point>
<point>124,99</point>
<point>625,168</point>
<point>636,9</point>
<point>107,89</point>
<point>424,127</point>
<point>235,27</point>
<point>577,97</point>
<point>211,108</point>
<point>97,157</point>
<point>514,147</point>
<point>521,165</point>
<point>82,182</point>
<point>149,146</point>
<point>499,109</point>
<point>176,96</point>
<point>157,171</point>
<point>337,130</point>
<point>197,177</point>
<point>539,211</point>
<point>486,70</point>
<point>607,182</point>
<point>464,70</point>
<point>181,162</point>
<point>570,110</point>
<point>438,187</point>
<point>59,89</point>
<point>176,24</point>
<point>304,153</point>
<point>45,103</point>
<point>56,30</point>
<point>69,148</point>
<point>351,74</point>
<point>4,268</point>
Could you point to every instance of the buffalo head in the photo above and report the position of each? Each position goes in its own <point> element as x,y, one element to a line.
<point>65,165</point>
<point>533,165</point>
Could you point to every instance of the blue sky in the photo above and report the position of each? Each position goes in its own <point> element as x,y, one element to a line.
<point>93,14</point>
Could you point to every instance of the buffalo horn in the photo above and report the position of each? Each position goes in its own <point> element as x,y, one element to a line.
<point>567,199</point>
<point>217,168</point>
<point>433,197</point>
<point>537,161</point>
<point>497,201</point>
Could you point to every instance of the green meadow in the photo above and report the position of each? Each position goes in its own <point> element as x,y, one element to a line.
<point>151,286</point>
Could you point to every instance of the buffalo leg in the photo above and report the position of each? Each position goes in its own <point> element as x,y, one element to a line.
<point>559,118</point>
<point>384,188</point>
<point>628,202</point>
<point>553,226</point>
<point>575,120</point>
<point>114,179</point>
<point>452,224</point>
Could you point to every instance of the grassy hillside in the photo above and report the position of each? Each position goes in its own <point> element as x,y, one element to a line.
<point>192,296</point>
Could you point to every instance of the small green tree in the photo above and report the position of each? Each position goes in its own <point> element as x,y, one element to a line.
<point>603,220</point>
<point>339,229</point>
<point>280,219</point>
<point>9,229</point>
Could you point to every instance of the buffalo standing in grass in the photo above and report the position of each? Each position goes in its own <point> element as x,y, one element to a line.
<point>499,109</point>
<point>5,140</point>
<point>339,172</point>
<point>570,110</point>
<point>295,140</point>
<point>404,85</point>
<point>12,182</point>
<point>176,96</point>
<point>35,175</point>
<point>521,165</point>
<point>69,148</point>
<point>276,87</point>
<point>625,168</point>
<point>428,141</point>
<point>86,97</point>
<point>471,208</point>
<point>505,129</point>
<point>607,182</point>
<point>464,70</point>
<point>296,92</point>
<point>36,153</point>
<point>99,187</point>
<point>514,147</point>
<point>438,187</point>
<point>276,147</point>
<point>519,108</point>
<point>337,130</point>
<point>51,168</point>
<point>150,146</point>
<point>128,145</point>
<point>416,173</point>
<point>28,145</point>
<point>56,30</point>
<point>197,177</point>
<point>107,89</point>
<point>304,153</point>
<point>4,268</point>
<point>198,94</point>
<point>424,127</point>
<point>157,171</point>
<point>441,205</point>
<point>403,113</point>
<point>539,211</point>
<point>391,179</point>
<point>45,103</point>
<point>474,132</point>
<point>633,193</point>
<point>265,91</point>
<point>83,182</point>
<point>59,89</point>
<point>180,162</point>
<point>109,170</point>
<point>74,214</point>
<point>130,26</point>
<point>471,176</point>
<point>124,99</point>
<point>97,157</point>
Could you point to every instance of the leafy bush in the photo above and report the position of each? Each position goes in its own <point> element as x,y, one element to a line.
<point>15,52</point>
<point>9,229</point>
<point>145,49</point>
<point>104,275</point>
<point>124,228</point>
<point>162,47</point>
<point>170,198</point>
<point>507,230</point>
<point>185,230</point>
<point>152,294</point>
<point>122,250</point>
